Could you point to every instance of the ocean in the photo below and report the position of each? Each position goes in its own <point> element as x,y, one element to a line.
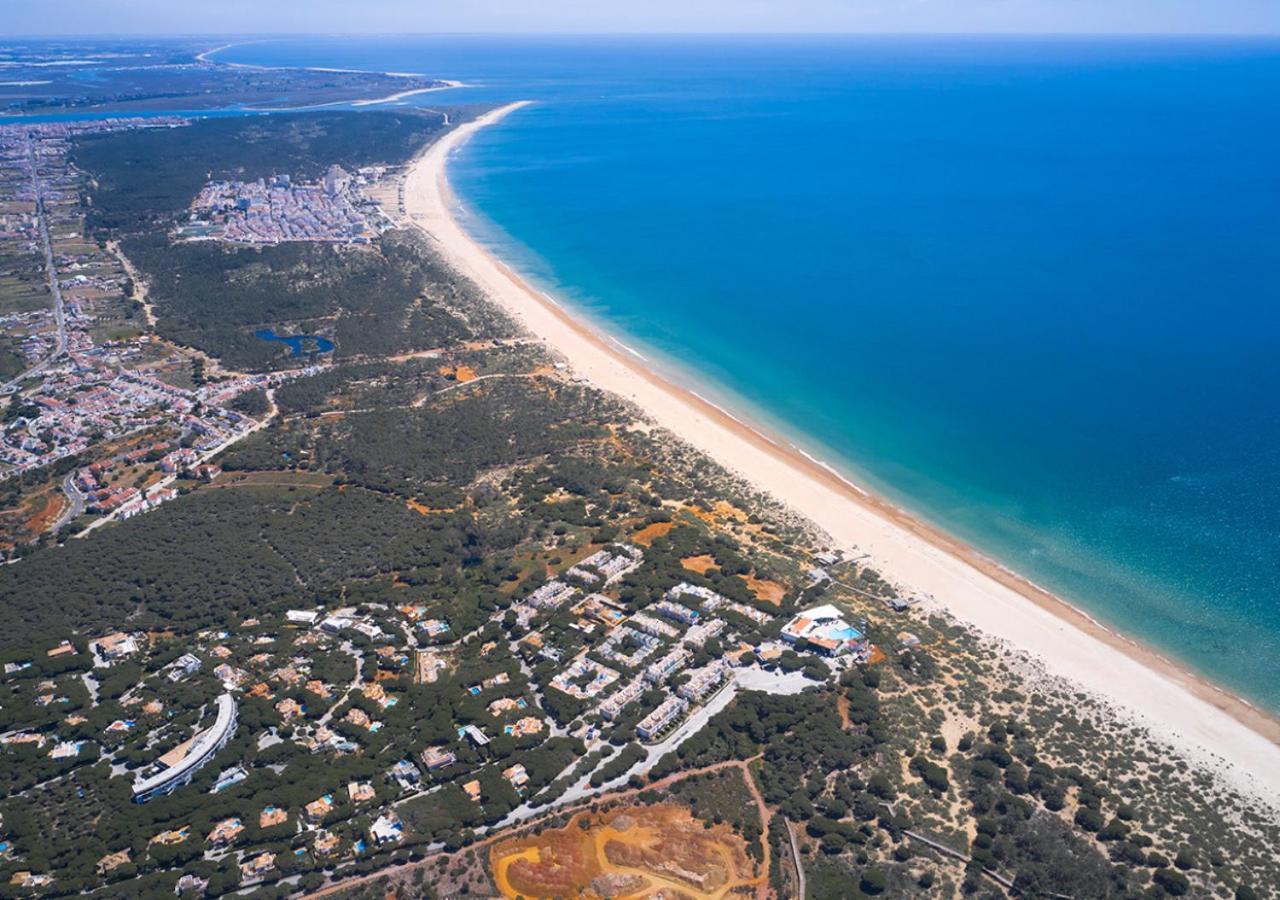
<point>1025,287</point>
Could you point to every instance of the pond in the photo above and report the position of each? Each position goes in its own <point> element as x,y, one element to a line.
<point>298,344</point>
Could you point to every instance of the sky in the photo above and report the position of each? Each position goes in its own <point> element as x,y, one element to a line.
<point>237,17</point>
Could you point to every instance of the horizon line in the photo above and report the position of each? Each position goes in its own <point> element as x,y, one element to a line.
<point>281,35</point>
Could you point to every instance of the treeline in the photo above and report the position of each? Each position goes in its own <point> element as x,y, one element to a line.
<point>371,302</point>
<point>218,555</point>
<point>496,423</point>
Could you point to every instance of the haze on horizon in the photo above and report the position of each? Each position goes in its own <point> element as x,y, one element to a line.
<point>56,18</point>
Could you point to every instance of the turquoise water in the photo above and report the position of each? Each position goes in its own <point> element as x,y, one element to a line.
<point>1025,287</point>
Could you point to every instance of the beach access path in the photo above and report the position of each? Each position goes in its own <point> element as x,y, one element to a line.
<point>1239,741</point>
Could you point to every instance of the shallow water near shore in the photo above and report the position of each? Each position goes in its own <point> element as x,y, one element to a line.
<point>1024,287</point>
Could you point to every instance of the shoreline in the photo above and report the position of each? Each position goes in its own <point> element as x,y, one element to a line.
<point>442,84</point>
<point>1176,705</point>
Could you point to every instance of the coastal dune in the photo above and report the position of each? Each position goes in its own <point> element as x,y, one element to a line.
<point>1205,722</point>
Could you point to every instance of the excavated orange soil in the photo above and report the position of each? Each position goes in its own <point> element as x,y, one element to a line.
<point>651,533</point>
<point>627,854</point>
<point>699,564</point>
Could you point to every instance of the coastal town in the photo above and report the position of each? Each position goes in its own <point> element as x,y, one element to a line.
<point>268,212</point>
<point>89,381</point>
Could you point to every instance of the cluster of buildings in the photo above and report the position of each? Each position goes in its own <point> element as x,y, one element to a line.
<point>642,672</point>
<point>597,571</point>
<point>640,651</point>
<point>270,211</point>
<point>77,408</point>
<point>95,375</point>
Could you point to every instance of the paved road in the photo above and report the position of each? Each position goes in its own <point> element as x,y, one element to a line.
<point>42,214</point>
<point>75,505</point>
<point>795,858</point>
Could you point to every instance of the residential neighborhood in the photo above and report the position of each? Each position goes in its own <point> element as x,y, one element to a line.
<point>340,685</point>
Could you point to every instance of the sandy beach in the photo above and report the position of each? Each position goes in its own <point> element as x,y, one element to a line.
<point>1206,722</point>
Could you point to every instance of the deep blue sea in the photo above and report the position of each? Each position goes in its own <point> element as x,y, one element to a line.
<point>1026,287</point>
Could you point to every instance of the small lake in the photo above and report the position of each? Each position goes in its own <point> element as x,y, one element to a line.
<point>298,344</point>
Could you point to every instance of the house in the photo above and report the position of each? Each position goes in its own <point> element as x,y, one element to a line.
<point>30,880</point>
<point>475,735</point>
<point>505,704</point>
<point>183,666</point>
<point>113,861</point>
<point>66,750</point>
<point>169,838</point>
<point>472,790</point>
<point>191,883</point>
<point>325,843</point>
<point>824,629</point>
<point>386,829</point>
<point>317,809</point>
<point>516,775</point>
<point>225,832</point>
<point>257,867</point>
<point>301,616</point>
<point>337,624</point>
<point>525,726</point>
<point>361,791</point>
<point>272,816</point>
<point>230,676</point>
<point>369,630</point>
<point>24,737</point>
<point>66,648</point>
<point>229,777</point>
<point>434,627</point>
<point>116,646</point>
<point>358,717</point>
<point>437,758</point>
<point>406,774</point>
<point>817,576</point>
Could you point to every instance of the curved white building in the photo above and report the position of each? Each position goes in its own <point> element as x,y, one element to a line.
<point>179,765</point>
